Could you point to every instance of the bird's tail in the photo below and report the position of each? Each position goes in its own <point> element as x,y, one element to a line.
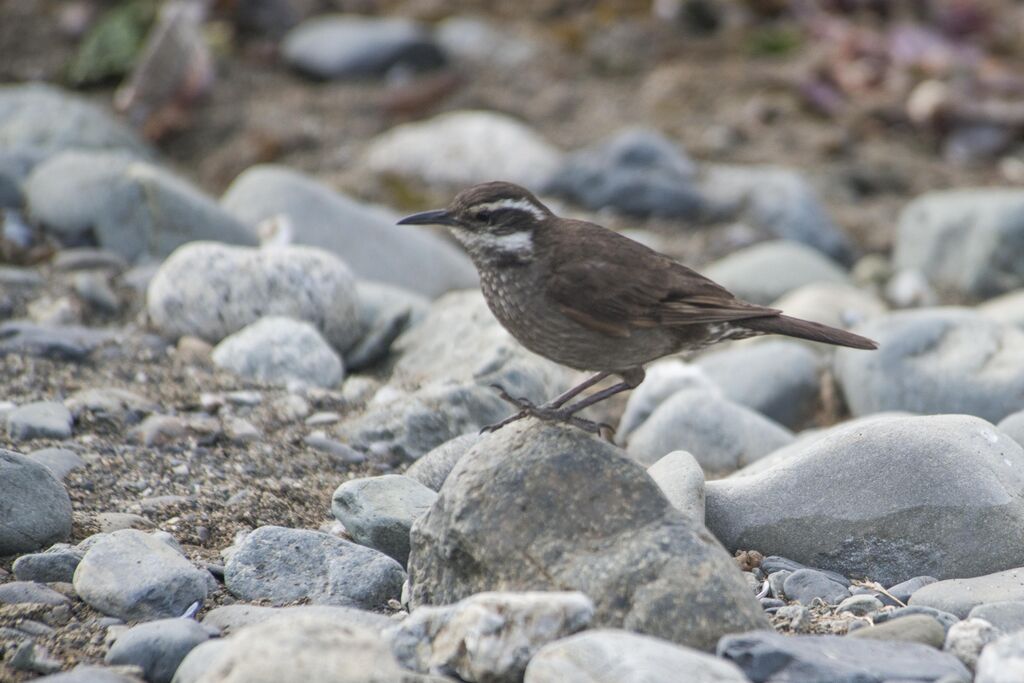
<point>805,329</point>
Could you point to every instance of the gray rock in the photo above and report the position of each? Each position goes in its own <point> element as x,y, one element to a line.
<point>916,628</point>
<point>15,165</point>
<point>157,647</point>
<point>385,311</point>
<point>859,605</point>
<point>1007,616</point>
<point>774,658</point>
<point>637,172</point>
<point>138,577</point>
<point>39,420</point>
<point>722,435</point>
<point>960,240</point>
<point>34,507</point>
<point>681,480</point>
<point>212,290</point>
<point>433,467</point>
<point>774,563</point>
<point>89,259</point>
<point>945,618</point>
<point>59,342</point>
<point>638,558</point>
<point>940,360</point>
<point>614,656</point>
<point>779,379</point>
<point>18,592</point>
<point>477,146</point>
<point>903,590</point>
<point>284,565</point>
<point>804,585</point>
<point>487,636</point>
<point>279,350</point>
<point>379,511</point>
<point>1002,661</point>
<point>86,673</point>
<point>365,237</point>
<point>1007,309</point>
<point>934,495</point>
<point>777,201</point>
<point>350,46</point>
<point>60,461</point>
<point>764,272</point>
<point>831,303</point>
<point>960,596</point>
<point>965,640</point>
<point>777,582</point>
<point>201,659</point>
<point>1013,426</point>
<point>133,208</point>
<point>664,378</point>
<point>475,39</point>
<point>230,618</point>
<point>57,564</point>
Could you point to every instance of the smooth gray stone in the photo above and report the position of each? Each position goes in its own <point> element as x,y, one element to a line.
<point>157,647</point>
<point>385,312</point>
<point>935,495</point>
<point>39,420</point>
<point>773,563</point>
<point>804,585</point>
<point>284,565</point>
<point>87,673</point>
<point>432,468</point>
<point>230,618</point>
<point>917,628</point>
<point>945,618</point>
<point>1007,616</point>
<point>764,272</point>
<point>88,258</point>
<point>60,461</point>
<point>1013,426</point>
<point>18,592</point>
<point>637,557</point>
<point>664,379</point>
<point>136,576</point>
<point>111,402</point>
<point>1007,308</point>
<point>935,360</point>
<point>770,657</point>
<point>960,596</point>
<point>42,505</point>
<point>200,660</point>
<point>59,342</point>
<point>280,350</point>
<point>379,511</point>
<point>56,564</point>
<point>365,237</point>
<point>681,480</point>
<point>1002,661</point>
<point>905,589</point>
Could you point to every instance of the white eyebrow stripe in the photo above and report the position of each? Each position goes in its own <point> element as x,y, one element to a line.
<point>520,204</point>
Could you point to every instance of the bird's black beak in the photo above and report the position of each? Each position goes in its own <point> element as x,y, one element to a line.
<point>439,217</point>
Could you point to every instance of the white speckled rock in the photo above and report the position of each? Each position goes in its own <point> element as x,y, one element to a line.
<point>280,351</point>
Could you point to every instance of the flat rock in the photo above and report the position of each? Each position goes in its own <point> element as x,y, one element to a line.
<point>804,585</point>
<point>487,636</point>
<point>1002,661</point>
<point>212,290</point>
<point>935,495</point>
<point>433,467</point>
<point>615,656</point>
<point>58,563</point>
<point>279,350</point>
<point>638,558</point>
<point>721,434</point>
<point>938,360</point>
<point>916,628</point>
<point>111,403</point>
<point>60,461</point>
<point>136,209</point>
<point>136,576</point>
<point>87,673</point>
<point>34,507</point>
<point>379,511</point>
<point>59,342</point>
<point>477,147</point>
<point>960,596</point>
<point>774,658</point>
<point>681,480</point>
<point>20,592</point>
<point>157,647</point>
<point>284,565</point>
<point>39,420</point>
<point>229,618</point>
<point>1007,616</point>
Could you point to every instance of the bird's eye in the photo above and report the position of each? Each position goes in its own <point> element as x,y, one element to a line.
<point>484,216</point>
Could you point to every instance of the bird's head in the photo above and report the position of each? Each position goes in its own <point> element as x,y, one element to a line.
<point>494,221</point>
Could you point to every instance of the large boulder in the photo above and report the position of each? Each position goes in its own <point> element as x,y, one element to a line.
<point>888,499</point>
<point>588,518</point>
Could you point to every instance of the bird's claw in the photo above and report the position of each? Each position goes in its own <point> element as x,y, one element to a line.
<point>547,413</point>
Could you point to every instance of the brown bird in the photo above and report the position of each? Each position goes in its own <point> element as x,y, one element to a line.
<point>589,298</point>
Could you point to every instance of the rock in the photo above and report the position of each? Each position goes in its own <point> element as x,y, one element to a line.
<point>157,647</point>
<point>778,378</point>
<point>131,207</point>
<point>385,312</point>
<point>116,521</point>
<point>777,201</point>
<point>831,303</point>
<point>487,636</point>
<point>945,618</point>
<point>1013,426</point>
<point>805,585</point>
<point>905,589</point>
<point>138,577</point>
<point>939,360</point>
<point>86,673</point>
<point>476,146</point>
<point>28,656</point>
<point>1002,661</point>
<point>960,596</point>
<point>910,289</point>
<point>664,378</point>
<point>302,648</point>
<point>1007,616</point>
<point>20,592</point>
<point>94,289</point>
<point>474,39</point>
<point>365,237</point>
<point>917,628</point>
<point>966,639</point>
<point>776,583</point>
<point>773,658</point>
<point>60,461</point>
<point>200,659</point>
<point>39,420</point>
<point>773,563</point>
<point>614,656</point>
<point>637,172</point>
<point>681,480</point>
<point>230,618</point>
<point>859,605</point>
<point>58,563</point>
<point>935,495</point>
<point>158,430</point>
<point>58,342</point>
<point>350,46</point>
<point>959,240</point>
<point>766,271</point>
<point>42,504</point>
<point>633,554</point>
<point>279,350</point>
<point>1007,309</point>
<point>89,259</point>
<point>379,511</point>
<point>283,565</point>
<point>722,435</point>
<point>433,468</point>
<point>213,290</point>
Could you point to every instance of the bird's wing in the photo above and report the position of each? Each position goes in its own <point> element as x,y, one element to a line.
<point>615,285</point>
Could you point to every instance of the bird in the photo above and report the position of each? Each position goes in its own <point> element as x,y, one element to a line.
<point>589,298</point>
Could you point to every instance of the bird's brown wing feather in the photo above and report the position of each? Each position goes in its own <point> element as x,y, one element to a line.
<point>614,285</point>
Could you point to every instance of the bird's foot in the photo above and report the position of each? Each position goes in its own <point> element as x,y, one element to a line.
<point>547,413</point>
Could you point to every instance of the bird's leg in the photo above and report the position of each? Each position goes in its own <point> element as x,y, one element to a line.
<point>631,379</point>
<point>560,400</point>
